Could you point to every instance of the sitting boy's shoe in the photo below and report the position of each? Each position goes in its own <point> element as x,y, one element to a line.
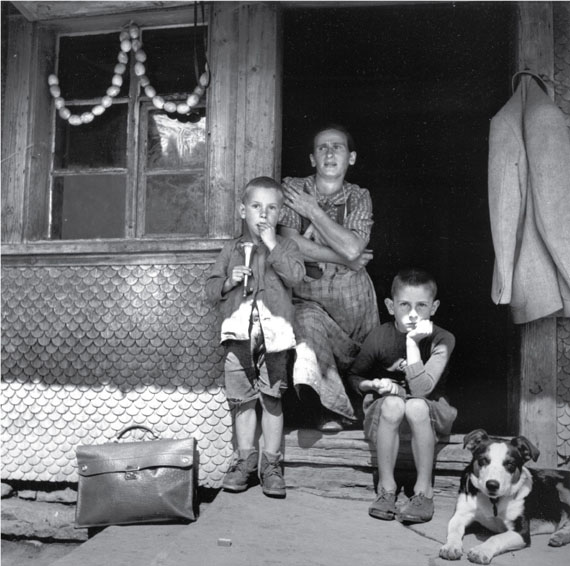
<point>272,481</point>
<point>419,509</point>
<point>330,422</point>
<point>243,472</point>
<point>385,506</point>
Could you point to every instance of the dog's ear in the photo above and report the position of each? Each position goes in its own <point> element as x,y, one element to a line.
<point>474,438</point>
<point>526,448</point>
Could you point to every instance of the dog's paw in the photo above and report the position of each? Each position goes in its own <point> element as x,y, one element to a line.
<point>451,551</point>
<point>479,555</point>
<point>559,539</point>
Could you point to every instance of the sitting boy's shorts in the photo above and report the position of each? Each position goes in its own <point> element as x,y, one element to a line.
<point>442,415</point>
<point>249,370</point>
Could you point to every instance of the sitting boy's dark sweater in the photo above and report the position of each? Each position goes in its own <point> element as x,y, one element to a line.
<point>385,345</point>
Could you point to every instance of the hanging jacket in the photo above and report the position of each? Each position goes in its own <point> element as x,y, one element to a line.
<point>529,201</point>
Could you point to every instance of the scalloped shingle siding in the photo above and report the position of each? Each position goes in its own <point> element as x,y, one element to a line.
<point>88,350</point>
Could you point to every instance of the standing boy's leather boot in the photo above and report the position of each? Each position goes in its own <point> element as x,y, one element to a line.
<point>243,472</point>
<point>272,482</point>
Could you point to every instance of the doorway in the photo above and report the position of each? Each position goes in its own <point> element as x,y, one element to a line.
<point>417,84</point>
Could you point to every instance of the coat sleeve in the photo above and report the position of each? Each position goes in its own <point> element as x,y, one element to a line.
<point>422,378</point>
<point>365,362</point>
<point>507,191</point>
<point>218,275</point>
<point>287,262</point>
<point>548,148</point>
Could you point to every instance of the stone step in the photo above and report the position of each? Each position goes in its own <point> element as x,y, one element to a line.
<point>343,464</point>
<point>350,448</point>
<point>350,483</point>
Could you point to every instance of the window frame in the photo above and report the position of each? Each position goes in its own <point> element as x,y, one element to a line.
<point>243,137</point>
<point>43,116</point>
<point>145,108</point>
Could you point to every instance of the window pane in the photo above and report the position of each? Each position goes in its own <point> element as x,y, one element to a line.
<point>175,204</point>
<point>88,206</point>
<point>170,61</point>
<point>174,143</point>
<point>86,66</point>
<point>101,143</point>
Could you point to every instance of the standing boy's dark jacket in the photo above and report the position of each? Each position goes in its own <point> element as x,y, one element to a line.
<point>274,274</point>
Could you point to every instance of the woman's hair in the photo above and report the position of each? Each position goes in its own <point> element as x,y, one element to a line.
<point>413,277</point>
<point>339,128</point>
<point>261,183</point>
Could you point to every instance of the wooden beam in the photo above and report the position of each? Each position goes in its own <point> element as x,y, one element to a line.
<point>45,11</point>
<point>244,104</point>
<point>16,143</point>
<point>535,39</point>
<point>258,136</point>
<point>119,247</point>
<point>41,121</point>
<point>189,258</point>
<point>538,358</point>
<point>349,448</point>
<point>182,14</point>
<point>538,414</point>
<point>221,112</point>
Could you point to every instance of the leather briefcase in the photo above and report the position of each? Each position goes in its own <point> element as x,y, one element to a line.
<point>136,482</point>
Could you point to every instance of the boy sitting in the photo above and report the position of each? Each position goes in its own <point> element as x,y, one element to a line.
<point>253,292</point>
<point>400,368</point>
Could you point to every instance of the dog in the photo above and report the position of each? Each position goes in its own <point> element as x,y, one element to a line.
<point>500,493</point>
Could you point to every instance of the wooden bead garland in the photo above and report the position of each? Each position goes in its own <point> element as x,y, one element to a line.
<point>130,42</point>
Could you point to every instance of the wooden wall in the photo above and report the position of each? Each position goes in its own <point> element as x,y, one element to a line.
<point>245,107</point>
<point>65,344</point>
<point>244,116</point>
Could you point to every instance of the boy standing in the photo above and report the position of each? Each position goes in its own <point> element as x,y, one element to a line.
<point>253,292</point>
<point>400,368</point>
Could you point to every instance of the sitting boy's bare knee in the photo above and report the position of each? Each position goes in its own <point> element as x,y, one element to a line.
<point>417,410</point>
<point>393,408</point>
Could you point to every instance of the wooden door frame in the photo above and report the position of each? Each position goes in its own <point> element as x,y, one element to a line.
<point>535,383</point>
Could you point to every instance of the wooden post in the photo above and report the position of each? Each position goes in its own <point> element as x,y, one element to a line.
<point>537,417</point>
<point>222,108</point>
<point>244,102</point>
<point>15,129</point>
<point>538,363</point>
<point>36,217</point>
<point>259,90</point>
<point>258,128</point>
<point>535,41</point>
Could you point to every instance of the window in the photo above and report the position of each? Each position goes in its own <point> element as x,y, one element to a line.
<point>135,171</point>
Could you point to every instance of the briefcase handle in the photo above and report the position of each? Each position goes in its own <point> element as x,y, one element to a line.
<point>132,427</point>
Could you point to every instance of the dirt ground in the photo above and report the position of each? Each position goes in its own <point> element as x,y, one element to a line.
<point>250,529</point>
<point>27,553</point>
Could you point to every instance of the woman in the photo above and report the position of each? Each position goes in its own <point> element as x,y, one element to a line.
<point>336,307</point>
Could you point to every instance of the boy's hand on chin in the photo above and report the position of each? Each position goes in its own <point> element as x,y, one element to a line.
<point>267,235</point>
<point>423,329</point>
